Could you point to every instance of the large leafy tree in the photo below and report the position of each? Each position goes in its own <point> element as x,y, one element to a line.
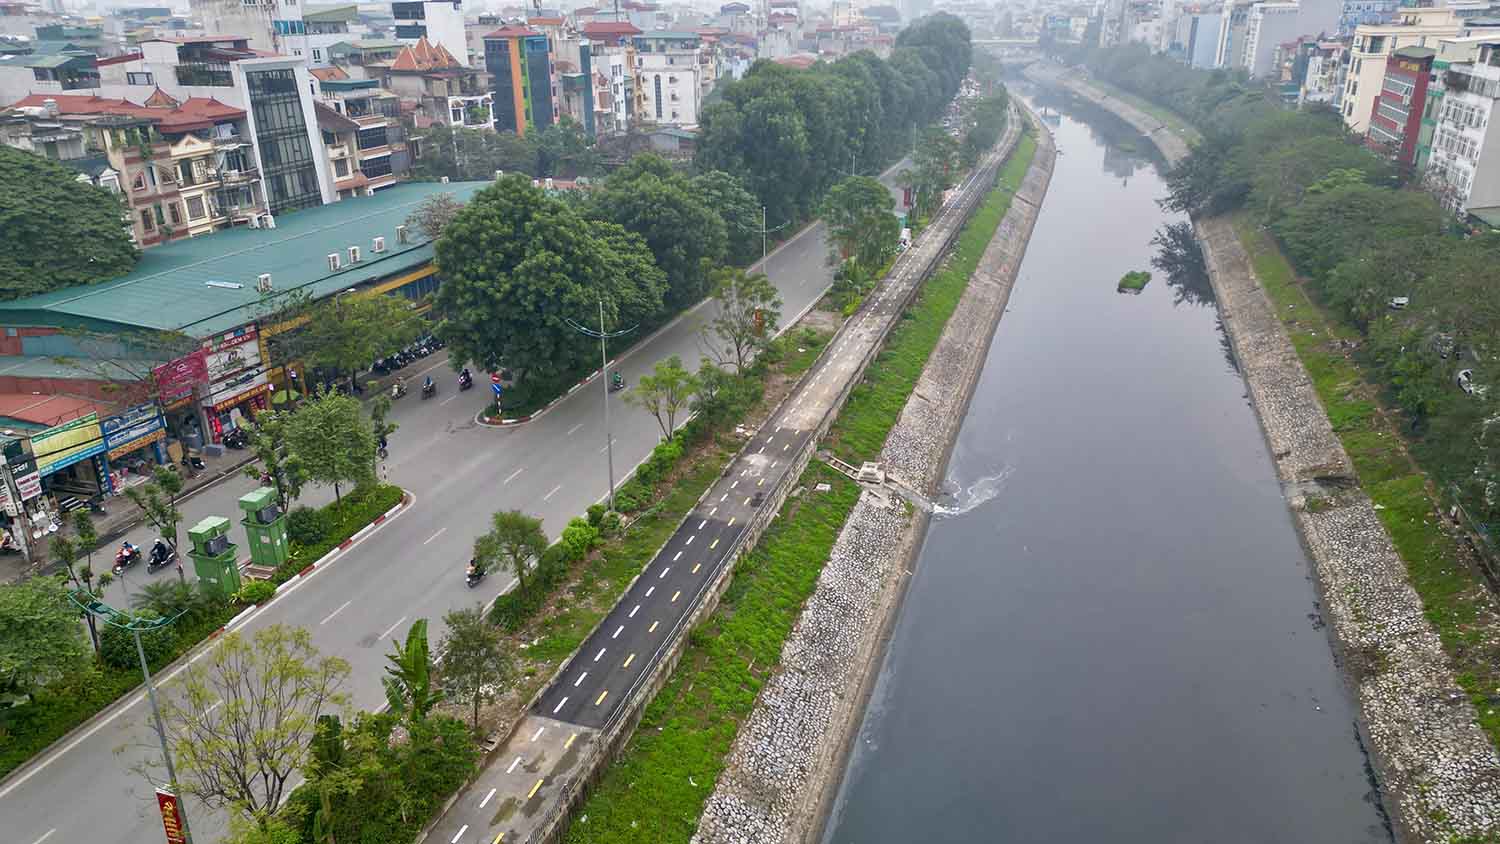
<point>275,457</point>
<point>58,231</point>
<point>686,235</point>
<point>475,661</point>
<point>40,639</point>
<point>346,333</point>
<point>334,440</point>
<point>472,155</point>
<point>518,266</point>
<point>740,211</point>
<point>665,393</point>
<point>514,540</point>
<point>564,150</point>
<point>860,223</point>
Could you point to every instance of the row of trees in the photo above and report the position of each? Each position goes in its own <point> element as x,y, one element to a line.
<point>464,154</point>
<point>792,132</point>
<point>1361,236</point>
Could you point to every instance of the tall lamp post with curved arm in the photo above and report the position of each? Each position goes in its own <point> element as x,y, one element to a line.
<point>604,337</point>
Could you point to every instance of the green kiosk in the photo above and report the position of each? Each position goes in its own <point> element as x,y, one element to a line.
<point>214,557</point>
<point>265,525</point>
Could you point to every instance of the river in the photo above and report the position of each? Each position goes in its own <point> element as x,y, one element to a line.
<point>1112,633</point>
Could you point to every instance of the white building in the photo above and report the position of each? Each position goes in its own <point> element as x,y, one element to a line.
<point>272,25</point>
<point>1372,47</point>
<point>1464,168</point>
<point>440,21</point>
<point>667,74</point>
<point>1268,25</point>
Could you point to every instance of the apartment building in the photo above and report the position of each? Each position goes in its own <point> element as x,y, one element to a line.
<point>612,60</point>
<point>378,151</point>
<point>275,26</point>
<point>441,22</point>
<point>1396,122</point>
<point>520,66</point>
<point>1372,48</point>
<point>1464,167</point>
<point>667,70</point>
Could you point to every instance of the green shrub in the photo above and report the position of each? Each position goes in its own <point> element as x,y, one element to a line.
<point>256,592</point>
<point>117,646</point>
<point>596,514</point>
<point>306,526</point>
<point>578,537</point>
<point>610,524</point>
<point>342,520</point>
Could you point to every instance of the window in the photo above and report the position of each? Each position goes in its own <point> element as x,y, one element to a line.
<point>372,138</point>
<point>376,167</point>
<point>185,173</point>
<point>456,115</point>
<point>147,221</point>
<point>139,79</point>
<point>139,182</point>
<point>317,54</point>
<point>408,11</point>
<point>174,214</point>
<point>341,168</point>
<point>330,139</point>
<point>195,208</point>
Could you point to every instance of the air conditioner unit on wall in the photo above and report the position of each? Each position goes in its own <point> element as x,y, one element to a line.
<point>378,246</point>
<point>354,254</point>
<point>401,235</point>
<point>263,282</point>
<point>334,262</point>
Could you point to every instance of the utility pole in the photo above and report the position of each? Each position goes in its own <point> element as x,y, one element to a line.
<point>604,337</point>
<point>763,231</point>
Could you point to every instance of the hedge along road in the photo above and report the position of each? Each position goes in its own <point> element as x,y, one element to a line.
<point>409,568</point>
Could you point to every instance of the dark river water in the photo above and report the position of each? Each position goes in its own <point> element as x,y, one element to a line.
<point>1111,634</point>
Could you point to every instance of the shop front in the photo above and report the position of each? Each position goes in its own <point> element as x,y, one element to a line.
<point>177,384</point>
<point>238,386</point>
<point>133,445</point>
<point>20,497</point>
<point>70,460</point>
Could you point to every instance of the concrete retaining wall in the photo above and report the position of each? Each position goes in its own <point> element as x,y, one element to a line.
<point>1438,771</point>
<point>787,760</point>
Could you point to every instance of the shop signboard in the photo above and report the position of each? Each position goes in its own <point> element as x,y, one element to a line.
<point>175,380</point>
<point>66,444</point>
<point>235,369</point>
<point>129,431</point>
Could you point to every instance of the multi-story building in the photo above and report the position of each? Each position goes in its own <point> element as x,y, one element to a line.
<point>667,70</point>
<point>326,27</point>
<point>1396,122</point>
<point>184,169</point>
<point>379,149</point>
<point>441,22</point>
<point>1353,13</point>
<point>1464,168</point>
<point>520,68</point>
<point>435,89</point>
<point>1268,25</point>
<point>1200,38</point>
<point>269,25</point>
<point>67,72</point>
<point>1450,51</point>
<point>612,61</point>
<point>1372,48</point>
<point>1321,81</point>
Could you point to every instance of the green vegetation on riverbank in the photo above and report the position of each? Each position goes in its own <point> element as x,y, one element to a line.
<point>1336,236</point>
<point>655,792</point>
<point>1134,281</point>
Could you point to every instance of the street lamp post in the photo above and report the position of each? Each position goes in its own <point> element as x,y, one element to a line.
<point>90,604</point>
<point>604,337</point>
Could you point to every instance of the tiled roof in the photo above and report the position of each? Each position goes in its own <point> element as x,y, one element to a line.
<point>605,29</point>
<point>193,113</point>
<point>423,56</point>
<point>328,74</point>
<point>512,30</point>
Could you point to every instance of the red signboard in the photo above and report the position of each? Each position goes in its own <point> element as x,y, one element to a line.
<point>171,816</point>
<point>177,378</point>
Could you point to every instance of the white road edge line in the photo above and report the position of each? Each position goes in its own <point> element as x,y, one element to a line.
<point>558,708</point>
<point>548,496</point>
<point>512,475</point>
<point>45,836</point>
<point>573,430</point>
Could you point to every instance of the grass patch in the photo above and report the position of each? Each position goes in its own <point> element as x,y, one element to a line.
<point>1454,594</point>
<point>875,404</point>
<point>1133,282</point>
<point>656,790</point>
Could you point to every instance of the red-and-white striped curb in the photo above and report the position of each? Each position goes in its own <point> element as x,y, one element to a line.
<point>342,546</point>
<point>492,422</point>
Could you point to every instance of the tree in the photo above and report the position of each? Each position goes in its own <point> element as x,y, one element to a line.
<point>157,499</point>
<point>860,223</point>
<point>240,721</point>
<point>518,265</point>
<point>408,682</point>
<point>334,440</point>
<point>39,639</point>
<point>475,658</point>
<point>275,457</point>
<point>513,541</point>
<point>739,210</point>
<point>433,214</point>
<point>472,155</point>
<point>562,148</point>
<point>59,232</point>
<point>348,332</point>
<point>67,550</point>
<point>687,236</point>
<point>749,308</point>
<point>665,393</point>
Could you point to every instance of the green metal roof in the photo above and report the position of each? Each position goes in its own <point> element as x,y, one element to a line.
<point>204,285</point>
<point>37,60</point>
<point>330,14</point>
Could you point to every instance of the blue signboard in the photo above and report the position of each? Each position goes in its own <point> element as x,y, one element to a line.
<point>137,423</point>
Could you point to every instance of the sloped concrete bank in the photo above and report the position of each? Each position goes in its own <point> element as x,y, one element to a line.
<point>1438,772</point>
<point>785,767</point>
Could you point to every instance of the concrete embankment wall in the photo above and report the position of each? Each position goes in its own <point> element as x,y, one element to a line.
<point>1438,771</point>
<point>786,764</point>
<point>614,737</point>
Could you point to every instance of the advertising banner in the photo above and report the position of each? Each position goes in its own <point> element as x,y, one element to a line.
<point>62,446</point>
<point>171,816</point>
<point>132,429</point>
<point>175,380</point>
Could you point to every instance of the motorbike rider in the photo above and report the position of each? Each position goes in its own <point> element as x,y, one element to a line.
<point>473,571</point>
<point>127,552</point>
<point>160,552</point>
<point>464,377</point>
<point>399,388</point>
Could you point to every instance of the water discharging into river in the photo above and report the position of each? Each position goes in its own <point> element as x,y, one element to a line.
<point>1111,635</point>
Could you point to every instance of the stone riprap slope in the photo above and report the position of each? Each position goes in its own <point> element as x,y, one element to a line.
<point>1438,771</point>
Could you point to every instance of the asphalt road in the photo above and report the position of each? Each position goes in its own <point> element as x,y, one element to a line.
<point>410,567</point>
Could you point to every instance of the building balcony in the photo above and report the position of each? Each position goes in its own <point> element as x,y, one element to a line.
<point>338,151</point>
<point>238,177</point>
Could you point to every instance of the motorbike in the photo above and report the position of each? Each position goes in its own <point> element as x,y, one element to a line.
<point>125,558</point>
<point>236,439</point>
<point>381,367</point>
<point>616,382</point>
<point>429,389</point>
<point>473,576</point>
<point>193,463</point>
<point>161,556</point>
<point>397,391</point>
<point>465,382</point>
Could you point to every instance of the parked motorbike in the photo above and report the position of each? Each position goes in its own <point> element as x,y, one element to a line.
<point>381,367</point>
<point>193,463</point>
<point>126,557</point>
<point>236,439</point>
